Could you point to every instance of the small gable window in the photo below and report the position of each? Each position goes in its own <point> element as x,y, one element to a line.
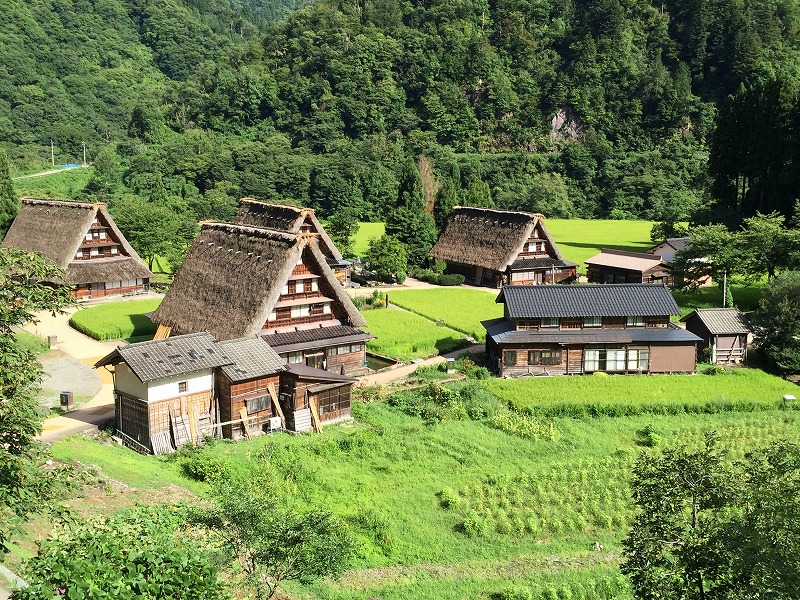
<point>183,387</point>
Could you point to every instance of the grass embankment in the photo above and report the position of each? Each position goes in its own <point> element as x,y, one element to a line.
<point>366,232</point>
<point>406,336</point>
<point>741,390</point>
<point>117,320</point>
<point>455,509</point>
<point>64,185</point>
<point>32,342</point>
<point>461,309</point>
<point>579,239</point>
<point>745,297</point>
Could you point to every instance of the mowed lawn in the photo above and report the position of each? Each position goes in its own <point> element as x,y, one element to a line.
<point>401,334</point>
<point>116,320</point>
<point>366,232</point>
<point>461,309</point>
<point>740,389</point>
<point>580,239</point>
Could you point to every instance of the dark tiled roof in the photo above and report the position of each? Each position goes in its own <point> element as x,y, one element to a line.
<point>157,359</point>
<point>540,263</point>
<point>721,320</point>
<point>306,372</point>
<point>252,357</point>
<point>606,300</point>
<point>315,337</point>
<point>503,332</point>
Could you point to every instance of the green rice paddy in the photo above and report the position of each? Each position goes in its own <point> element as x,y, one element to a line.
<point>366,232</point>
<point>116,320</point>
<point>401,334</point>
<point>461,309</point>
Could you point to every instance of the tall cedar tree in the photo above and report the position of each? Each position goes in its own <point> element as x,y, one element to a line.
<point>9,203</point>
<point>408,222</point>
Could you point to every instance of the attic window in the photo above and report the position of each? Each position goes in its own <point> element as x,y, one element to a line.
<point>102,235</point>
<point>89,236</point>
<point>183,387</point>
<point>114,250</point>
<point>79,254</point>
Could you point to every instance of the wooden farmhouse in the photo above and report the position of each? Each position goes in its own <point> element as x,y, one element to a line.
<point>292,219</point>
<point>178,390</point>
<point>565,330</point>
<point>82,239</point>
<point>724,330</point>
<point>670,247</point>
<point>620,266</point>
<point>493,248</point>
<point>239,281</point>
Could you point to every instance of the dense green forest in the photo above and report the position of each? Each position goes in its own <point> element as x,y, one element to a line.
<point>578,108</point>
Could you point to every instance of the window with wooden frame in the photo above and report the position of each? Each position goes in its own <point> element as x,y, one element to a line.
<point>510,358</point>
<point>634,322</point>
<point>334,400</point>
<point>523,324</point>
<point>183,387</point>
<point>258,403</point>
<point>570,323</point>
<point>544,357</point>
<point>550,322</point>
<point>593,321</point>
<point>294,358</point>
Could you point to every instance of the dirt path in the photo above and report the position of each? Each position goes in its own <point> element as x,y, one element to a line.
<point>43,173</point>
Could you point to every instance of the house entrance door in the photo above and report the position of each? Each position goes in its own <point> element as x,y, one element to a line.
<point>315,360</point>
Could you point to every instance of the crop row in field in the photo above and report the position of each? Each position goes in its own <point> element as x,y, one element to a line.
<point>116,320</point>
<point>741,390</point>
<point>404,335</point>
<point>461,309</point>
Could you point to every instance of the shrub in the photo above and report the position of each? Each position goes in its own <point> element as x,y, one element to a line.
<point>647,436</point>
<point>201,467</point>
<point>474,525</point>
<point>448,498</point>
<point>513,593</point>
<point>359,301</point>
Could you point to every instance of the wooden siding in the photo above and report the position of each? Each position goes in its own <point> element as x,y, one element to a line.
<point>232,397</point>
<point>663,358</point>
<point>82,292</point>
<point>606,274</point>
<point>141,420</point>
<point>576,324</point>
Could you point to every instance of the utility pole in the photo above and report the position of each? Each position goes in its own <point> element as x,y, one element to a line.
<point>52,153</point>
<point>84,153</point>
<point>725,289</point>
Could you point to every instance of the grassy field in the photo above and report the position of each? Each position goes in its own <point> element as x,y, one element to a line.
<point>581,239</point>
<point>116,320</point>
<point>456,509</point>
<point>32,342</point>
<point>366,232</point>
<point>67,185</point>
<point>745,297</point>
<point>461,309</point>
<point>741,390</point>
<point>406,336</point>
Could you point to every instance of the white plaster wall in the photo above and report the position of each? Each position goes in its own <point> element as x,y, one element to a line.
<point>198,381</point>
<point>128,383</point>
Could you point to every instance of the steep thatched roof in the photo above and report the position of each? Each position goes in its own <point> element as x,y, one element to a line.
<point>56,228</point>
<point>283,217</point>
<point>489,238</point>
<point>233,275</point>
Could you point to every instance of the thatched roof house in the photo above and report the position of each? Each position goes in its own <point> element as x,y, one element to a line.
<point>292,219</point>
<point>83,239</point>
<point>496,247</point>
<point>233,276</point>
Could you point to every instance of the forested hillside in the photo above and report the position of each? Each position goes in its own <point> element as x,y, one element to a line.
<point>575,108</point>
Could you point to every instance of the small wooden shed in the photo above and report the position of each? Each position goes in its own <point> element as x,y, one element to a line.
<point>724,330</point>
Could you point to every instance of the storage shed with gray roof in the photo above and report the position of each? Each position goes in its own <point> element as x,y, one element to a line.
<point>724,331</point>
<point>557,330</point>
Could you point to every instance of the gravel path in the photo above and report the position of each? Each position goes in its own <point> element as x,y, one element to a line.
<point>66,373</point>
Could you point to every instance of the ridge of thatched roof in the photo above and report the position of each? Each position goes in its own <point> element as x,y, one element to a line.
<point>56,228</point>
<point>284,217</point>
<point>488,237</point>
<point>232,277</point>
